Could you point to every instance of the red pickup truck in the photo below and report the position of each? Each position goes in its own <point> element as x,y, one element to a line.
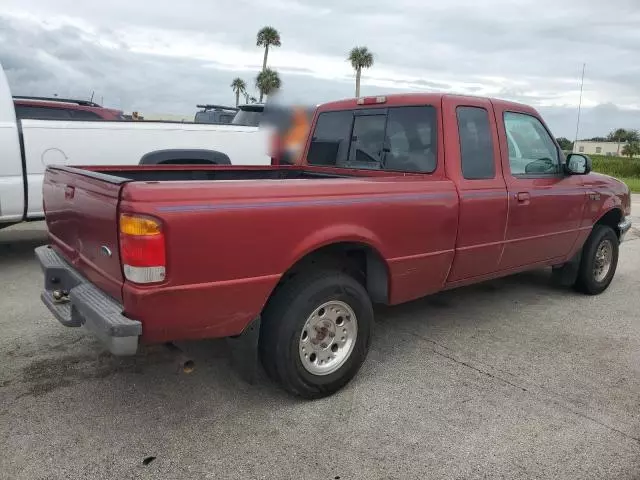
<point>398,197</point>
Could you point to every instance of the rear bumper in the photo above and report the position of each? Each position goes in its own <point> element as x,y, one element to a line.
<point>624,227</point>
<point>85,305</point>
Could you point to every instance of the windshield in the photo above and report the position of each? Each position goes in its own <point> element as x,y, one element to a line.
<point>249,118</point>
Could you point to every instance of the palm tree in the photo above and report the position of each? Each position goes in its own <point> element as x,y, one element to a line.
<point>267,36</point>
<point>360,57</point>
<point>248,98</point>
<point>239,87</point>
<point>267,81</point>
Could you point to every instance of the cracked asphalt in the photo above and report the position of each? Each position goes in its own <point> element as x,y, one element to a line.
<point>513,378</point>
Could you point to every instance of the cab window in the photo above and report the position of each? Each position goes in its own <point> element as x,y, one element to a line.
<point>476,143</point>
<point>330,139</point>
<point>395,139</point>
<point>367,141</point>
<point>532,151</point>
<point>410,140</point>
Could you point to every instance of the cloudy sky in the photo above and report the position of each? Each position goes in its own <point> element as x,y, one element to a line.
<point>165,56</point>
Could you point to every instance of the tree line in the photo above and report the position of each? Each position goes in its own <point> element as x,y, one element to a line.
<point>268,80</point>
<point>628,141</point>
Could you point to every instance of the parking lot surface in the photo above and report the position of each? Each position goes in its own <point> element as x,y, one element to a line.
<point>514,378</point>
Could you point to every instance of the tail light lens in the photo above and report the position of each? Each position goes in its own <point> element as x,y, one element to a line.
<point>142,249</point>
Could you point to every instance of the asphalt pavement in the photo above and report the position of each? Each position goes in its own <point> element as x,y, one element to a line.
<point>514,378</point>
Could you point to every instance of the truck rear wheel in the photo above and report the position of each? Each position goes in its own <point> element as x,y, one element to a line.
<point>315,333</point>
<point>599,261</point>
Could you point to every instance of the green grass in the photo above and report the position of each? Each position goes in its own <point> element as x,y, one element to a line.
<point>626,169</point>
<point>633,183</point>
<point>616,167</point>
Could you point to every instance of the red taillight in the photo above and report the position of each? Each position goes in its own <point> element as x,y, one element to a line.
<point>142,249</point>
<point>371,100</point>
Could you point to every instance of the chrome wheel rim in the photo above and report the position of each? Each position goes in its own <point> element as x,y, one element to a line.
<point>603,260</point>
<point>328,337</point>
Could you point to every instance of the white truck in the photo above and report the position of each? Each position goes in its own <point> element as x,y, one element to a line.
<point>28,144</point>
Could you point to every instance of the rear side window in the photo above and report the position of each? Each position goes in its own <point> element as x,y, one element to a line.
<point>410,140</point>
<point>398,139</point>
<point>330,140</point>
<point>249,118</point>
<point>202,117</point>
<point>41,113</point>
<point>367,141</point>
<point>84,115</point>
<point>476,143</point>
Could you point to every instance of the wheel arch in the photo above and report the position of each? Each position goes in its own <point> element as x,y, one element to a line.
<point>611,218</point>
<point>359,258</point>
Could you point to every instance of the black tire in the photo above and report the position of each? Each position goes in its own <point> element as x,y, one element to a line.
<point>586,281</point>
<point>284,318</point>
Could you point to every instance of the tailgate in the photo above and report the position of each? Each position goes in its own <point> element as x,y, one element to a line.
<point>82,217</point>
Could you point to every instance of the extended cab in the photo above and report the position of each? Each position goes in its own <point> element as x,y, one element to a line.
<point>397,197</point>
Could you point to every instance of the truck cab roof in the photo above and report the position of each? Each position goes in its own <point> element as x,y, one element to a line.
<point>404,99</point>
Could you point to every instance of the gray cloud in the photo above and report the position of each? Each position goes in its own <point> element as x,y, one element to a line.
<point>531,52</point>
<point>595,121</point>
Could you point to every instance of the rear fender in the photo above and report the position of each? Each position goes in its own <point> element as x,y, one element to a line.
<point>343,233</point>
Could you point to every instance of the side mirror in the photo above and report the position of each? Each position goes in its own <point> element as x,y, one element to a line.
<point>578,164</point>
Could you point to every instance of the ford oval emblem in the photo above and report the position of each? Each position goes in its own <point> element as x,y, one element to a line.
<point>106,252</point>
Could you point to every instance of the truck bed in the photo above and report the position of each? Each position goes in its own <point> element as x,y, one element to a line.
<point>229,243</point>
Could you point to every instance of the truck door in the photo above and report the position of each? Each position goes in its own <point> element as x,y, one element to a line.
<point>473,163</point>
<point>545,204</point>
<point>12,187</point>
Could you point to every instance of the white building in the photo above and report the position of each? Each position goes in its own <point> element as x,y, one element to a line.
<point>589,147</point>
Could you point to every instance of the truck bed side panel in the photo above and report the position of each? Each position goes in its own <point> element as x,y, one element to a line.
<point>228,246</point>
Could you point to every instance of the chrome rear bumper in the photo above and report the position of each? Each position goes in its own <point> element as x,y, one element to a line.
<point>85,305</point>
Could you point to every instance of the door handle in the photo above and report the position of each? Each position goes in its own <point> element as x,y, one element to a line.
<point>523,197</point>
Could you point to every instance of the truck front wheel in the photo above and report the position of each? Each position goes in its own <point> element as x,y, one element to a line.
<point>599,261</point>
<point>315,333</point>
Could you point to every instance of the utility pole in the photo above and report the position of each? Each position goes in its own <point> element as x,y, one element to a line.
<point>579,104</point>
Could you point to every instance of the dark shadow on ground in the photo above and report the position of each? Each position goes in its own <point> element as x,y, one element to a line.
<point>17,243</point>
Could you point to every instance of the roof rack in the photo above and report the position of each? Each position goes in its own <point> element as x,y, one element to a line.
<point>84,103</point>
<point>216,107</point>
